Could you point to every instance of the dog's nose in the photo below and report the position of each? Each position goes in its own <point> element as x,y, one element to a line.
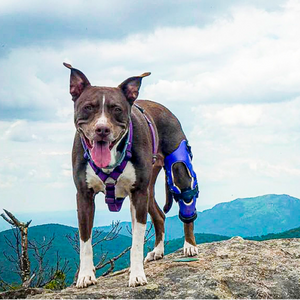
<point>102,130</point>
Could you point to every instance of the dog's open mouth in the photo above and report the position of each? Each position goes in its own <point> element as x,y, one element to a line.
<point>100,152</point>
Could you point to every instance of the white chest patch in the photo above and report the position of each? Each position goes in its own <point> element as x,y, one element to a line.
<point>124,183</point>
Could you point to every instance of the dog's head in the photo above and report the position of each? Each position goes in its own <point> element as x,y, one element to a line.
<point>102,114</point>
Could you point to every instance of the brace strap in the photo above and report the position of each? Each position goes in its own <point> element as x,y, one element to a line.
<point>181,154</point>
<point>187,195</point>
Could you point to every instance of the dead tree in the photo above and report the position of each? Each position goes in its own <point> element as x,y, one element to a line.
<point>43,272</point>
<point>21,235</point>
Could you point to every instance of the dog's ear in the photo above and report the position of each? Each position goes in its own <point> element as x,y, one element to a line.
<point>78,82</point>
<point>131,86</point>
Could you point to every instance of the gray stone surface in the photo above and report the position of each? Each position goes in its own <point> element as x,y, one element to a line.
<point>235,268</point>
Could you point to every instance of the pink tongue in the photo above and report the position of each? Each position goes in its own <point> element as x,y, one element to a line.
<point>101,154</point>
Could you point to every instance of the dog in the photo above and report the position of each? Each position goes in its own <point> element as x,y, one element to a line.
<point>120,146</point>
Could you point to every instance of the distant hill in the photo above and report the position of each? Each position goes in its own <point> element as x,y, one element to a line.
<point>251,216</point>
<point>243,217</point>
<point>290,234</point>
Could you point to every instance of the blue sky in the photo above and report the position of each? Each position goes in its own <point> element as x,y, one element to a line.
<point>228,69</point>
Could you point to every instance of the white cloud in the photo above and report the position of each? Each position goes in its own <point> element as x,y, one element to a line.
<point>251,57</point>
<point>244,115</point>
<point>20,131</point>
<point>255,153</point>
<point>248,58</point>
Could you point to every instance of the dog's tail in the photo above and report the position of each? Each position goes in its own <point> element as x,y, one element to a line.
<point>169,198</point>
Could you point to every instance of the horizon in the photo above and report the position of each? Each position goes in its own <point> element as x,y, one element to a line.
<point>124,216</point>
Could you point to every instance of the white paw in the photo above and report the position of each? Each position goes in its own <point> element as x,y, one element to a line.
<point>190,250</point>
<point>156,254</point>
<point>85,279</point>
<point>136,279</point>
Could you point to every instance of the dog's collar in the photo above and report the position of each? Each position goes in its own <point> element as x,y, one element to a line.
<point>110,179</point>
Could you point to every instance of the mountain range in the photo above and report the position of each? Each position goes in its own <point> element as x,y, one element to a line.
<point>259,218</point>
<point>244,217</point>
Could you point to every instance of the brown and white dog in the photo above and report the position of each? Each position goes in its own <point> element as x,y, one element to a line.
<point>102,116</point>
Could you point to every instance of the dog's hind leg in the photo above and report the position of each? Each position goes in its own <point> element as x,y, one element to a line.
<point>158,220</point>
<point>183,181</point>
<point>190,248</point>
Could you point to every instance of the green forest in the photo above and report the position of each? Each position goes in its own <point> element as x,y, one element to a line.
<point>62,246</point>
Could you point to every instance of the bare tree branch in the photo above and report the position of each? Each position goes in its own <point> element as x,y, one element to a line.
<point>27,283</point>
<point>43,273</point>
<point>111,235</point>
<point>7,220</point>
<point>21,246</point>
<point>112,266</point>
<point>4,285</point>
<point>149,233</point>
<point>74,241</point>
<point>100,266</point>
<point>40,250</point>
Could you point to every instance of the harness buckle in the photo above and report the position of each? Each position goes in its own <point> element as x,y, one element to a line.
<point>128,154</point>
<point>154,158</point>
<point>86,156</point>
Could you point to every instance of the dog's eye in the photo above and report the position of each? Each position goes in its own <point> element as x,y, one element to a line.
<point>88,108</point>
<point>117,110</point>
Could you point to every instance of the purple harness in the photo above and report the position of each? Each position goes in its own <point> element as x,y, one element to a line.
<point>115,204</point>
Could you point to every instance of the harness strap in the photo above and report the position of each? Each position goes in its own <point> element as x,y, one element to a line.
<point>152,131</point>
<point>114,204</point>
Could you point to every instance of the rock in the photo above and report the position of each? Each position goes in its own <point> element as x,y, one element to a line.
<point>21,293</point>
<point>235,268</point>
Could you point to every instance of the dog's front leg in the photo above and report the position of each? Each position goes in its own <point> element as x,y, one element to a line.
<point>86,210</point>
<point>138,208</point>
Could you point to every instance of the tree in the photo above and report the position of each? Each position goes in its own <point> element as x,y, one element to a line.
<point>20,248</point>
<point>43,274</point>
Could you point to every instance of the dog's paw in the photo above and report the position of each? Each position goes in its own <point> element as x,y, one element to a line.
<point>190,250</point>
<point>85,279</point>
<point>137,279</point>
<point>156,254</point>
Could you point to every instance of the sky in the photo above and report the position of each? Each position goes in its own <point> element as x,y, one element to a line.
<point>229,70</point>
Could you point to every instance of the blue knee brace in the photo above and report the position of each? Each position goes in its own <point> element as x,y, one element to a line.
<point>185,198</point>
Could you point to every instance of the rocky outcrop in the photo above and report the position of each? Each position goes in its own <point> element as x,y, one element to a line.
<point>235,268</point>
